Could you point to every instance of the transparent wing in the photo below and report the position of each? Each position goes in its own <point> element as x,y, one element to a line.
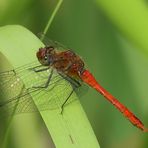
<point>18,98</point>
<point>49,42</point>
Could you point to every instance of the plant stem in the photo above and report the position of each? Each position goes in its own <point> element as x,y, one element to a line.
<point>51,18</point>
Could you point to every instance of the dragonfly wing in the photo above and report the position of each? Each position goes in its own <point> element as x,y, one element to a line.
<point>14,95</point>
<point>22,102</point>
<point>19,98</point>
<point>49,42</point>
<point>54,96</point>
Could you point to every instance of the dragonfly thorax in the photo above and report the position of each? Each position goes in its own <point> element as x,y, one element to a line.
<point>63,61</point>
<point>69,63</point>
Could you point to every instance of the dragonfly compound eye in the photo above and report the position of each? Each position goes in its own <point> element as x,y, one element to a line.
<point>49,49</point>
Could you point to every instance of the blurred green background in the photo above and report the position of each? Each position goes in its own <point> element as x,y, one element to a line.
<point>111,37</point>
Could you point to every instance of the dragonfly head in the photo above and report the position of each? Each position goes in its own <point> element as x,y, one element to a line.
<point>45,55</point>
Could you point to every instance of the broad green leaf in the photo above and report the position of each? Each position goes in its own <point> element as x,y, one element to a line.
<point>72,129</point>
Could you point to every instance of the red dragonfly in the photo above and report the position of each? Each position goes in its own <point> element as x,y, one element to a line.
<point>70,67</point>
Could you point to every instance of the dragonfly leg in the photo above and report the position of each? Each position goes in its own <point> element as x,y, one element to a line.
<point>39,70</point>
<point>71,80</point>
<point>62,107</point>
<point>35,69</point>
<point>47,83</point>
<point>75,84</point>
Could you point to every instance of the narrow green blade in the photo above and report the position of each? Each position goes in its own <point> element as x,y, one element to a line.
<point>130,16</point>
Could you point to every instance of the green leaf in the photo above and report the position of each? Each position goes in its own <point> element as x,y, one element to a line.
<point>72,129</point>
<point>130,16</point>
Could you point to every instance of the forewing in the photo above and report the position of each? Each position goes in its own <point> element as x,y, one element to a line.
<point>49,42</point>
<point>19,97</point>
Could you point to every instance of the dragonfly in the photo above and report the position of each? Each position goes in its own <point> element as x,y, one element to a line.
<point>53,70</point>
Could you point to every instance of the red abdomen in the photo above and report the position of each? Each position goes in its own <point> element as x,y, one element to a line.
<point>88,78</point>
